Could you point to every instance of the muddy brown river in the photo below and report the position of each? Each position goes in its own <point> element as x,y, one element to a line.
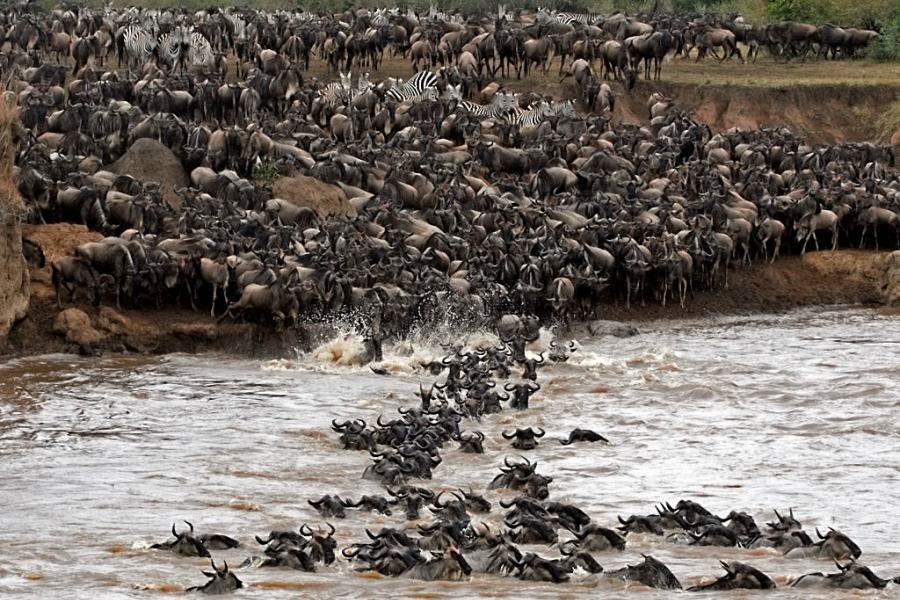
<point>101,455</point>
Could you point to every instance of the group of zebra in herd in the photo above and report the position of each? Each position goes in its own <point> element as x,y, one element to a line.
<point>177,49</point>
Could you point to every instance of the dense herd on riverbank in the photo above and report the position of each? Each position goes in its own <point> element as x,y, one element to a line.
<point>454,209</point>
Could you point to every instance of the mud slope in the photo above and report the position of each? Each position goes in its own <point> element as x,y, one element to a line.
<point>820,113</point>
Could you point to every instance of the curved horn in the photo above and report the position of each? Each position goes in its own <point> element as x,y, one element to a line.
<point>539,432</point>
<point>507,436</point>
<point>306,530</point>
<point>189,524</point>
<point>331,528</point>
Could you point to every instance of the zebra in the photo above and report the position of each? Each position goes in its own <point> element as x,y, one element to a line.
<point>337,92</point>
<point>172,47</point>
<point>502,105</point>
<point>421,86</point>
<point>536,114</point>
<point>583,18</point>
<point>201,52</point>
<point>381,18</point>
<point>139,45</point>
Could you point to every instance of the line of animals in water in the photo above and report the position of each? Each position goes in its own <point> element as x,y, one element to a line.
<point>453,546</point>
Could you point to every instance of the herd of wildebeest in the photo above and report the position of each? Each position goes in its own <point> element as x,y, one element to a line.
<point>453,534</point>
<point>465,200</point>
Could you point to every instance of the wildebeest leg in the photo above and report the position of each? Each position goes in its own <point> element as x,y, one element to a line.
<point>862,238</point>
<point>190,290</point>
<point>815,239</point>
<point>627,292</point>
<point>212,309</point>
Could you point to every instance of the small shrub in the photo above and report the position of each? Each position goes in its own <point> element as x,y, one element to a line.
<point>887,46</point>
<point>266,172</point>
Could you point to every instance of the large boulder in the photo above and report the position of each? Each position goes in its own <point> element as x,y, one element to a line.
<point>76,326</point>
<point>324,198</point>
<point>147,161</point>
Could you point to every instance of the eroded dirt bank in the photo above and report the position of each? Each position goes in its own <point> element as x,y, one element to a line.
<point>13,276</point>
<point>823,114</point>
<point>817,278</point>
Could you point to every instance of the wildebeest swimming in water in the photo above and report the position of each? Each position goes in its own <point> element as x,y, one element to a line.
<point>583,435</point>
<point>184,544</point>
<point>651,572</point>
<point>329,506</point>
<point>525,439</point>
<point>738,575</point>
<point>849,576</point>
<point>834,545</point>
<point>220,582</point>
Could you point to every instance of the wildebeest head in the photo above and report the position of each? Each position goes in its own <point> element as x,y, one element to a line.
<point>738,575</point>
<point>329,506</point>
<point>413,499</point>
<point>651,572</point>
<point>475,502</point>
<point>320,545</point>
<point>838,546</point>
<point>525,439</point>
<point>220,582</point>
<point>184,544</point>
<point>471,443</point>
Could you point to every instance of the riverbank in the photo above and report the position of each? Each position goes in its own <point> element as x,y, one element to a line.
<point>817,278</point>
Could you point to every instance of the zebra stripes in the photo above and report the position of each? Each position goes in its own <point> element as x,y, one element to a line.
<point>502,105</point>
<point>583,18</point>
<point>171,47</point>
<point>336,92</point>
<point>201,52</point>
<point>341,92</point>
<point>140,45</point>
<point>537,114</point>
<point>421,86</point>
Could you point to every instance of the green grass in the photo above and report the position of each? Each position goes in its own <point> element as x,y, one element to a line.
<point>889,121</point>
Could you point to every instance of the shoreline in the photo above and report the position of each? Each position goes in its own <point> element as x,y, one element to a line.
<point>844,277</point>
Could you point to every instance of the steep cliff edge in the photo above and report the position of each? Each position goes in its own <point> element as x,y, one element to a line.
<point>14,276</point>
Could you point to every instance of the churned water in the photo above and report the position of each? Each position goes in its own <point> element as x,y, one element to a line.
<point>100,456</point>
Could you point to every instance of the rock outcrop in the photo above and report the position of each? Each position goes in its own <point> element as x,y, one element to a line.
<point>324,198</point>
<point>148,161</point>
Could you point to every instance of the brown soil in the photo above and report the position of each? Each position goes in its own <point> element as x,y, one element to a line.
<point>821,114</point>
<point>324,198</point>
<point>59,239</point>
<point>147,160</point>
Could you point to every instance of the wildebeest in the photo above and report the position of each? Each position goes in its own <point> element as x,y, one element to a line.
<point>220,582</point>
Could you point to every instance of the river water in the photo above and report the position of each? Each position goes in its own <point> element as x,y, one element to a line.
<point>101,455</point>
